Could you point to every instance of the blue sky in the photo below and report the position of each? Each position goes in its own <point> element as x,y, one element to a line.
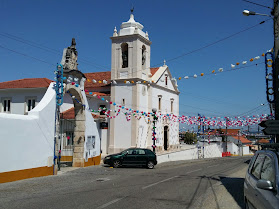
<point>175,28</point>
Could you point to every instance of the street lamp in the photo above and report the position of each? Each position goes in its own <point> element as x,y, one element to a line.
<point>248,13</point>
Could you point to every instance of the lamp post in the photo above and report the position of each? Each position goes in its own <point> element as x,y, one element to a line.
<point>154,110</point>
<point>275,66</point>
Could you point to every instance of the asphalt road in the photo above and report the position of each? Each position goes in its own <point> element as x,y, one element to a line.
<point>181,184</point>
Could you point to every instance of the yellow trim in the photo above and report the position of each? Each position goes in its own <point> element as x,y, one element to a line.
<point>66,159</point>
<point>93,161</point>
<point>25,174</point>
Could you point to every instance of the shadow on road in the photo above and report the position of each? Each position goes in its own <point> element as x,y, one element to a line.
<point>235,187</point>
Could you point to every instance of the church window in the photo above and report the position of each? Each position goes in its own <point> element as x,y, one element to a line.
<point>159,102</point>
<point>172,105</point>
<point>123,102</point>
<point>166,80</point>
<point>143,55</point>
<point>124,50</point>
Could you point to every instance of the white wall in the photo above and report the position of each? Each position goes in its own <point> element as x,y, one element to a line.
<point>210,151</point>
<point>122,127</point>
<point>28,140</point>
<point>166,109</point>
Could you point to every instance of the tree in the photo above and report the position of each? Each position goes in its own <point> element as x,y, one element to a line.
<point>189,138</point>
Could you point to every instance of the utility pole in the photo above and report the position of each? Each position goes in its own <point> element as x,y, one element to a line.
<point>276,62</point>
<point>226,134</point>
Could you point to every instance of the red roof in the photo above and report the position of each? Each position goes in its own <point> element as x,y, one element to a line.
<point>243,139</point>
<point>26,83</point>
<point>153,70</point>
<point>98,94</point>
<point>230,132</point>
<point>98,76</point>
<point>70,114</point>
<point>263,141</point>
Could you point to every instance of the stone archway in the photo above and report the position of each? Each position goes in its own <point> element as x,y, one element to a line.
<point>79,129</point>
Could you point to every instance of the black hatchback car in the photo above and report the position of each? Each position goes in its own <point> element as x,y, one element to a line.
<point>261,185</point>
<point>132,157</point>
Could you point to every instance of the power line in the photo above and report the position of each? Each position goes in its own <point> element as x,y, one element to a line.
<point>257,4</point>
<point>27,55</point>
<point>48,49</point>
<point>213,43</point>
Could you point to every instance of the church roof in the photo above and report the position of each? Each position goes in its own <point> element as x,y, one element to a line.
<point>98,76</point>
<point>26,83</point>
<point>154,70</point>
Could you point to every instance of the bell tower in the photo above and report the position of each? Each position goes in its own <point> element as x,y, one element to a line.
<point>130,60</point>
<point>130,55</point>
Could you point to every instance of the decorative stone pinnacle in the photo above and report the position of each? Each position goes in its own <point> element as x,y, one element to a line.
<point>115,32</point>
<point>164,62</point>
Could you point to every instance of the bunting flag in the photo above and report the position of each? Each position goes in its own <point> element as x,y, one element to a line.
<point>188,120</point>
<point>196,75</point>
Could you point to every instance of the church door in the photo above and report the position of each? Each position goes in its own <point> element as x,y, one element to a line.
<point>166,137</point>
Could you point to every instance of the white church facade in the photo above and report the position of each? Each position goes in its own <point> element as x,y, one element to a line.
<point>147,88</point>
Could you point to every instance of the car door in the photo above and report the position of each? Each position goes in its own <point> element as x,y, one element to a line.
<point>252,177</point>
<point>142,157</point>
<point>267,198</point>
<point>129,158</point>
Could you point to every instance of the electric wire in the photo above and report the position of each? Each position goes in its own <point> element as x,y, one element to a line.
<point>257,4</point>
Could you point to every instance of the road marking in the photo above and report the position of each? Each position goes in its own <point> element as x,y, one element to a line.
<point>212,166</point>
<point>159,182</point>
<point>111,202</point>
<point>193,171</point>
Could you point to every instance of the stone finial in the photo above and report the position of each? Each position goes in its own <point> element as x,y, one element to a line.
<point>146,35</point>
<point>115,32</point>
<point>165,63</point>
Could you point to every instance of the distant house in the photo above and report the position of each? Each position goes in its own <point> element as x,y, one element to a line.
<point>21,96</point>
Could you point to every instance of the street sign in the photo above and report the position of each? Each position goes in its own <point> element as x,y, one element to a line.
<point>271,127</point>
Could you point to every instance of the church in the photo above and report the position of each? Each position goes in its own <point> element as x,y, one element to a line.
<point>147,89</point>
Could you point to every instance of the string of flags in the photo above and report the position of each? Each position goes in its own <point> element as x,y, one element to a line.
<point>215,71</point>
<point>188,120</point>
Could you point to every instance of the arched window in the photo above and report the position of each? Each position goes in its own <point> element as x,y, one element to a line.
<point>124,50</point>
<point>143,55</point>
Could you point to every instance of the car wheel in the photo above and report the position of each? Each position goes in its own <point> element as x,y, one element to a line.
<point>116,164</point>
<point>150,165</point>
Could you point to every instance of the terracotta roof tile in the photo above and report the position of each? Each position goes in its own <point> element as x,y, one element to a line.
<point>26,83</point>
<point>70,114</point>
<point>153,70</point>
<point>98,76</point>
<point>263,141</point>
<point>243,139</point>
<point>97,93</point>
